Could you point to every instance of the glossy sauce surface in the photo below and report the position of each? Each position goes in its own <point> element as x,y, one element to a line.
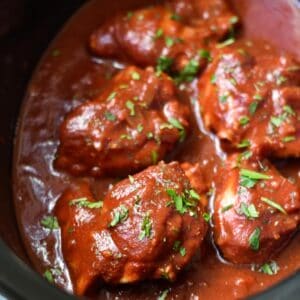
<point>66,77</point>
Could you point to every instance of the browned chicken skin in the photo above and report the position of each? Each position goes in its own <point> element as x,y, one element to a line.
<point>133,123</point>
<point>250,97</point>
<point>256,210</point>
<point>175,37</point>
<point>150,226</point>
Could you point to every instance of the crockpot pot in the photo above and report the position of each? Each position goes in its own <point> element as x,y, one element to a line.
<point>26,28</point>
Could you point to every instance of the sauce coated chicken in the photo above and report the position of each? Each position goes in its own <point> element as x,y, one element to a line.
<point>148,226</point>
<point>250,96</point>
<point>256,210</point>
<point>174,37</point>
<point>133,123</point>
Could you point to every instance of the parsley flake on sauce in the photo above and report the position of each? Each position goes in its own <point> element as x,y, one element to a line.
<point>226,43</point>
<point>130,105</point>
<point>243,144</point>
<point>164,64</point>
<point>135,75</point>
<point>84,202</point>
<point>273,204</point>
<point>120,214</point>
<point>248,178</point>
<point>183,202</point>
<point>254,239</point>
<point>110,116</point>
<point>249,210</point>
<point>146,229</point>
<point>51,273</point>
<point>205,54</point>
<point>175,123</point>
<point>188,73</point>
<point>270,268</point>
<point>112,96</point>
<point>244,120</point>
<point>207,217</point>
<point>163,295</point>
<point>50,222</point>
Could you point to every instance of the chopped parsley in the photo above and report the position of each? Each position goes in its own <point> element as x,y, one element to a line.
<point>244,144</point>
<point>248,178</point>
<point>205,54</point>
<point>50,222</point>
<point>169,41</point>
<point>273,204</point>
<point>257,97</point>
<point>163,295</point>
<point>83,202</point>
<point>244,155</point>
<point>164,64</point>
<point>226,207</point>
<point>213,79</point>
<point>140,128</point>
<point>183,203</point>
<point>135,75</point>
<point>253,107</point>
<point>244,120</point>
<point>129,15</point>
<point>120,214</point>
<point>277,121</point>
<point>146,228</point>
<point>270,268</point>
<point>182,251</point>
<point>175,123</point>
<point>188,73</point>
<point>111,96</point>
<point>194,194</point>
<point>175,17</point>
<point>178,248</point>
<point>288,139</point>
<point>130,105</point>
<point>158,34</point>
<point>226,43</point>
<point>206,217</point>
<point>110,116</point>
<point>280,80</point>
<point>234,20</point>
<point>223,98</point>
<point>154,157</point>
<point>254,239</point>
<point>249,210</point>
<point>254,175</point>
<point>48,275</point>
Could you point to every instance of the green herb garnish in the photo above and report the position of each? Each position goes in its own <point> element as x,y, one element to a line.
<point>109,116</point>
<point>273,204</point>
<point>50,222</point>
<point>271,268</point>
<point>249,210</point>
<point>254,239</point>
<point>164,64</point>
<point>175,123</point>
<point>130,105</point>
<point>226,43</point>
<point>146,227</point>
<point>83,202</point>
<point>188,73</point>
<point>120,214</point>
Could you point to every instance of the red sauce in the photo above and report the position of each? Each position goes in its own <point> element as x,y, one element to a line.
<point>66,77</point>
